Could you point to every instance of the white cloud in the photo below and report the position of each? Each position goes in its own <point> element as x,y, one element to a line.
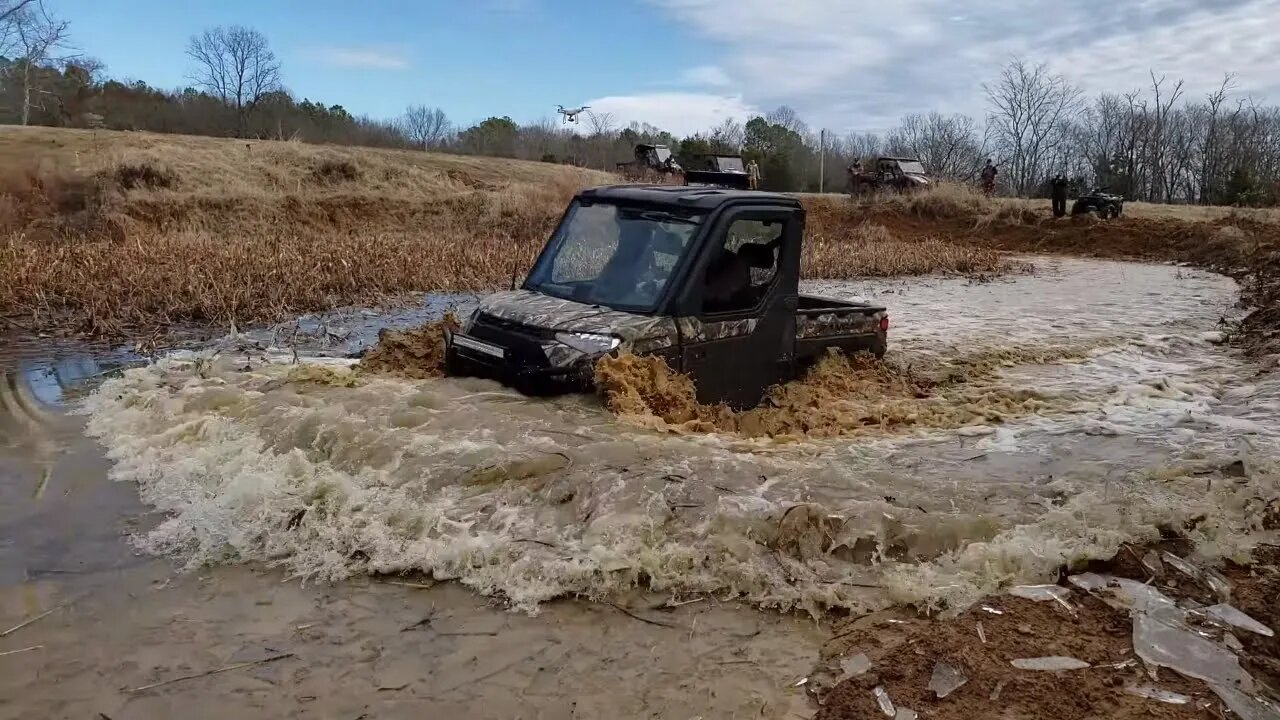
<point>365,58</point>
<point>705,75</point>
<point>682,113</point>
<point>861,64</point>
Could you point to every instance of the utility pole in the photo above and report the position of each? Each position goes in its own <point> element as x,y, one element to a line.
<point>822,161</point>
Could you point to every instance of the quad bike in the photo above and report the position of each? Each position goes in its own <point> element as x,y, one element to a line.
<point>1106,205</point>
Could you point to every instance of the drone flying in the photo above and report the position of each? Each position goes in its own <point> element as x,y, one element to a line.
<point>571,114</point>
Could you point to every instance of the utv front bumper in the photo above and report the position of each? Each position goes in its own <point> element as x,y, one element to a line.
<point>515,359</point>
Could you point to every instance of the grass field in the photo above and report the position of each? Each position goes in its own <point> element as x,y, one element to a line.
<point>120,233</point>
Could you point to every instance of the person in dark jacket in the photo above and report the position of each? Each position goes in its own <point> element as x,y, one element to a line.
<point>1059,194</point>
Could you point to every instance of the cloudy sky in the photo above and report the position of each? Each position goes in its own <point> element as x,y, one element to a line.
<point>687,64</point>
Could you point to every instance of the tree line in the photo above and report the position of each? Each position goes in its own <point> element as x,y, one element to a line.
<point>1155,143</point>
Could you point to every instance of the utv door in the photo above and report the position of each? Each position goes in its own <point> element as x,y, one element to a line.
<point>738,315</point>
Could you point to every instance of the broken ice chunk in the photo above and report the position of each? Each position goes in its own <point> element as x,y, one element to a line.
<point>1088,582</point>
<point>1049,663</point>
<point>946,679</point>
<point>1039,593</point>
<point>1245,705</point>
<point>854,665</point>
<point>1151,692</point>
<point>1160,637</point>
<point>1218,584</point>
<point>1235,618</point>
<point>1233,642</point>
<point>882,699</point>
<point>1151,561</point>
<point>1181,565</point>
<point>905,714</point>
<point>1139,596</point>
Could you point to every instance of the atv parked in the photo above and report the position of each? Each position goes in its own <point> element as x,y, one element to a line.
<point>1105,204</point>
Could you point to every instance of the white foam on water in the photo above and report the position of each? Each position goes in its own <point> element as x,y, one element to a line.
<point>534,499</point>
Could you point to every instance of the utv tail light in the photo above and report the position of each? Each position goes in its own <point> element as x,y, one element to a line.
<point>884,324</point>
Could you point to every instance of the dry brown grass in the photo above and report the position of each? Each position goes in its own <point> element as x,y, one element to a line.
<point>111,232</point>
<point>834,251</point>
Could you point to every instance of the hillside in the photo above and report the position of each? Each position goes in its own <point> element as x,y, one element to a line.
<point>112,231</point>
<point>123,232</point>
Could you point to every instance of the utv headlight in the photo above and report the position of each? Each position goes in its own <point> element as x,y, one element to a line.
<point>589,343</point>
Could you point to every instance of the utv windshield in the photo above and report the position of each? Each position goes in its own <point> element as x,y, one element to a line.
<point>912,167</point>
<point>616,256</point>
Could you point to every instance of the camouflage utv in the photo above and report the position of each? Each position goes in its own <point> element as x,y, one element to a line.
<point>706,278</point>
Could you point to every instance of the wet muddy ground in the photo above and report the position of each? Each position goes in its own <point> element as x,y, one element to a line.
<point>1092,405</point>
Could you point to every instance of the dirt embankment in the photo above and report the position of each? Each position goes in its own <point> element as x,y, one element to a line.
<point>911,657</point>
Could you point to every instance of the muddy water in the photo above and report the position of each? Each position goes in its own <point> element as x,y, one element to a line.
<point>327,475</point>
<point>532,500</point>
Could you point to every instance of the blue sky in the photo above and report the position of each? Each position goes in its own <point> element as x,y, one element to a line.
<point>686,64</point>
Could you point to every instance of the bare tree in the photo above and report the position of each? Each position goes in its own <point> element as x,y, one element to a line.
<point>787,117</point>
<point>950,146</point>
<point>10,12</point>
<point>728,134</point>
<point>36,36</point>
<point>1028,108</point>
<point>427,127</point>
<point>236,64</point>
<point>601,123</point>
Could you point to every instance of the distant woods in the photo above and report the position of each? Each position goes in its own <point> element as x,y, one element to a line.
<point>1158,143</point>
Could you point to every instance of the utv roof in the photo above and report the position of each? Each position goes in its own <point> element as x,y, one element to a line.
<point>702,198</point>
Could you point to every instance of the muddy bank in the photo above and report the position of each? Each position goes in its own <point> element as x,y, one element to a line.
<point>968,666</point>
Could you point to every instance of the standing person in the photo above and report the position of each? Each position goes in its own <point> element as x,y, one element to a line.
<point>1059,193</point>
<point>854,173</point>
<point>989,178</point>
<point>753,174</point>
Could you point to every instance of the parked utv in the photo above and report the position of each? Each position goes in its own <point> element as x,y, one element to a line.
<point>1105,204</point>
<point>706,278</point>
<point>725,171</point>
